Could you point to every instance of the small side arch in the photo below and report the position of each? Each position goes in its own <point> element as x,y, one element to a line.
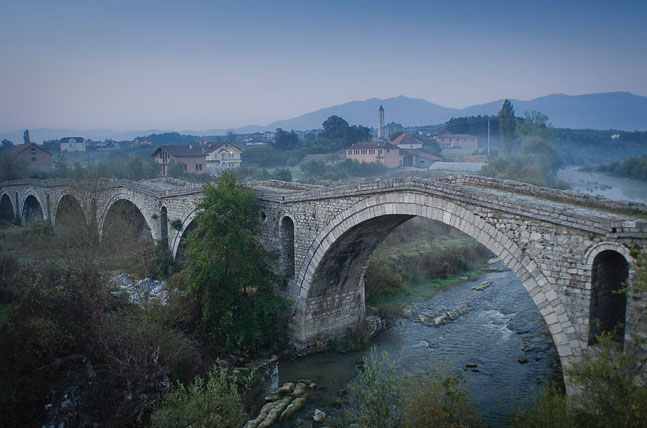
<point>286,236</point>
<point>7,209</point>
<point>31,210</point>
<point>68,212</point>
<point>611,271</point>
<point>103,214</point>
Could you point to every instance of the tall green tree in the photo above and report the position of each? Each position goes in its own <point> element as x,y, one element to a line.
<point>507,126</point>
<point>229,271</point>
<point>285,140</point>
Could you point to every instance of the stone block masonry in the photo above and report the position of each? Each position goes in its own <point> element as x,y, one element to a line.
<point>554,241</point>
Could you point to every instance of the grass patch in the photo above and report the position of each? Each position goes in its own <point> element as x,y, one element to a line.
<point>414,293</point>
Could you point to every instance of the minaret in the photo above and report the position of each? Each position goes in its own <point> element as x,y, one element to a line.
<point>380,123</point>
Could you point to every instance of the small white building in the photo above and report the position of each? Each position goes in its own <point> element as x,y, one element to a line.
<point>73,144</point>
<point>222,156</point>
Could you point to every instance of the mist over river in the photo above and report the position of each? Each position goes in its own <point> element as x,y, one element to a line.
<point>500,331</point>
<point>605,185</point>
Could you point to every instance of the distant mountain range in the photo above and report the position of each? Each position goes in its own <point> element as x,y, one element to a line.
<point>611,110</point>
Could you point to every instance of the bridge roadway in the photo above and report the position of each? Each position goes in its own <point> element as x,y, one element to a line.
<point>570,251</point>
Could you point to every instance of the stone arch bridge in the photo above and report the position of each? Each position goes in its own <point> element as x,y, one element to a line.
<point>570,251</point>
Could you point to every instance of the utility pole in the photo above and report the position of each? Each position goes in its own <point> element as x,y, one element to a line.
<point>488,137</point>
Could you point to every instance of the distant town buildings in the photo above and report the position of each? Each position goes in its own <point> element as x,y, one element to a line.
<point>142,141</point>
<point>37,158</point>
<point>375,151</point>
<point>222,156</point>
<point>457,141</point>
<point>72,144</point>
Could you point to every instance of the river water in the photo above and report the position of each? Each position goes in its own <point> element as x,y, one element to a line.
<point>600,184</point>
<point>501,326</point>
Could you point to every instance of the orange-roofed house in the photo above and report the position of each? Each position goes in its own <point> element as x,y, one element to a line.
<point>31,154</point>
<point>407,141</point>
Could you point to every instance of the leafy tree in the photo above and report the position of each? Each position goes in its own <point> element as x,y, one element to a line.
<point>285,140</point>
<point>229,272</point>
<point>11,168</point>
<point>334,128</point>
<point>25,136</point>
<point>341,134</point>
<point>507,126</point>
<point>6,145</point>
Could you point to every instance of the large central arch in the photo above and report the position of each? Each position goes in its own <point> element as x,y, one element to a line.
<point>329,284</point>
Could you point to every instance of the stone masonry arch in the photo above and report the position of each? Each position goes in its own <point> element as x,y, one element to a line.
<point>7,208</point>
<point>31,193</point>
<point>393,204</point>
<point>631,300</point>
<point>61,196</point>
<point>101,216</point>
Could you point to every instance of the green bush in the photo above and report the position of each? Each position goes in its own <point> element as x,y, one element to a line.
<point>377,399</point>
<point>214,404</point>
<point>382,398</point>
<point>438,401</point>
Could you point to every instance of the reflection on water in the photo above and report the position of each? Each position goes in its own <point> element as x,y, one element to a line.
<point>500,326</point>
<point>600,184</point>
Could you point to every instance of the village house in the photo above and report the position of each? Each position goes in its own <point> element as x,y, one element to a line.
<point>72,144</point>
<point>31,154</point>
<point>191,157</point>
<point>457,141</point>
<point>407,141</point>
<point>222,156</point>
<point>375,151</point>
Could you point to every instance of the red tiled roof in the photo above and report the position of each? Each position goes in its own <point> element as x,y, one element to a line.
<point>181,151</point>
<point>216,146</point>
<point>405,138</point>
<point>21,148</point>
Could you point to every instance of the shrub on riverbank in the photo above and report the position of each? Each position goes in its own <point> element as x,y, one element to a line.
<point>383,398</point>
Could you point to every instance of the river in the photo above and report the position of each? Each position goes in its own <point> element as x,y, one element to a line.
<point>601,184</point>
<point>501,326</point>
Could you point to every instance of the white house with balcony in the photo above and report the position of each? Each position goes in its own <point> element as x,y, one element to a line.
<point>222,156</point>
<point>73,144</point>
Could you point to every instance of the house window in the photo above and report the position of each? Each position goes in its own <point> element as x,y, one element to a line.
<point>350,152</point>
<point>186,168</point>
<point>33,158</point>
<point>198,167</point>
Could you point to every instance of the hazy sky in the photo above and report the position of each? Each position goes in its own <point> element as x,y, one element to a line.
<point>140,64</point>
